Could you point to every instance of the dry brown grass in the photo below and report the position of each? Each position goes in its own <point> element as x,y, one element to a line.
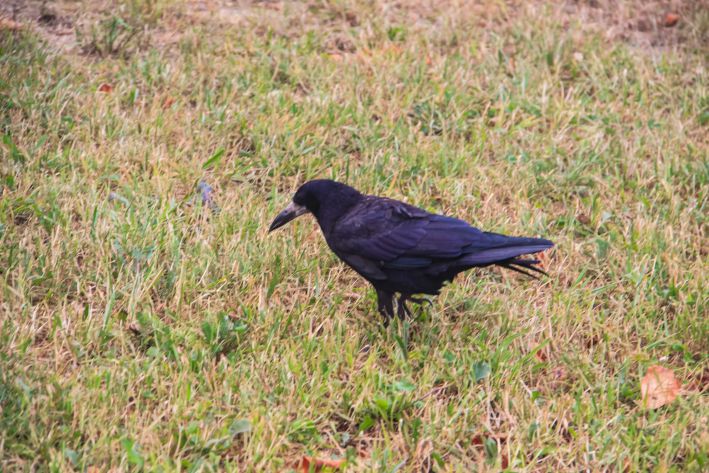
<point>140,329</point>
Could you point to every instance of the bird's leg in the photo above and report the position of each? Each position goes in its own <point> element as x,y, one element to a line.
<point>385,305</point>
<point>401,310</point>
<point>421,300</point>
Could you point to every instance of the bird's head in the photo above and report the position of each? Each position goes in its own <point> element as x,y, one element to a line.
<point>323,198</point>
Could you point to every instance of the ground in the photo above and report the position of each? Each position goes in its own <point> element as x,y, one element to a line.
<point>148,321</point>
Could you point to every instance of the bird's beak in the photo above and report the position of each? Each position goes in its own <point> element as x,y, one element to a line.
<point>289,213</point>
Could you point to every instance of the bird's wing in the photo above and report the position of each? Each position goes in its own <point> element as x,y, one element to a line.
<point>382,233</point>
<point>450,242</point>
<point>376,232</point>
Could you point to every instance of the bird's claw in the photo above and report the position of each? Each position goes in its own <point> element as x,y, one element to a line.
<point>421,300</point>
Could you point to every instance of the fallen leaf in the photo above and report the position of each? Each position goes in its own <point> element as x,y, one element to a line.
<point>658,387</point>
<point>504,461</point>
<point>105,88</point>
<point>477,440</point>
<point>671,20</point>
<point>167,103</point>
<point>319,463</point>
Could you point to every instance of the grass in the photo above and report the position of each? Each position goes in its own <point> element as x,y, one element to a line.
<point>143,330</point>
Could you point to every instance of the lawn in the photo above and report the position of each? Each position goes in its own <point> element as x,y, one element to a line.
<point>148,321</point>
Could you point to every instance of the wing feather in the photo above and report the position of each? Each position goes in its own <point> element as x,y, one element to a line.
<point>380,234</point>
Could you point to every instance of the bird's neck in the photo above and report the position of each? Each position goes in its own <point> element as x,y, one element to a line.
<point>329,213</point>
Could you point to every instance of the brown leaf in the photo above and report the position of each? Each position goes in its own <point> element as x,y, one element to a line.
<point>671,20</point>
<point>167,103</point>
<point>477,440</point>
<point>319,463</point>
<point>658,387</point>
<point>105,88</point>
<point>504,461</point>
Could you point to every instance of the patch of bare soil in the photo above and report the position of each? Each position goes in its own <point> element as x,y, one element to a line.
<point>659,24</point>
<point>652,25</point>
<point>54,21</point>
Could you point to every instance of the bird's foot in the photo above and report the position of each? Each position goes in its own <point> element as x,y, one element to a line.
<point>385,306</point>
<point>421,300</point>
<point>402,311</point>
<point>386,317</point>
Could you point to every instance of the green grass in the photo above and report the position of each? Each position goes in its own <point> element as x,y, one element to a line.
<point>141,330</point>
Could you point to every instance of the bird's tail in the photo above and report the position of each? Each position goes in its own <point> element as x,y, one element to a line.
<point>505,251</point>
<point>519,265</point>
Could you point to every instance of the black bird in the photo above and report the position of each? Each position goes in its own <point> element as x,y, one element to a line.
<point>400,248</point>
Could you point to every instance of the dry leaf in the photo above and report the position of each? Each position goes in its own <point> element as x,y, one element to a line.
<point>105,88</point>
<point>671,20</point>
<point>319,463</point>
<point>584,219</point>
<point>658,387</point>
<point>167,103</point>
<point>541,356</point>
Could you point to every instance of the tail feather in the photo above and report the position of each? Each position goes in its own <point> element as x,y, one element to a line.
<point>506,251</point>
<point>501,249</point>
<point>519,265</point>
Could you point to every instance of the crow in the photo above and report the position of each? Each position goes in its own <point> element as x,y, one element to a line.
<point>400,248</point>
